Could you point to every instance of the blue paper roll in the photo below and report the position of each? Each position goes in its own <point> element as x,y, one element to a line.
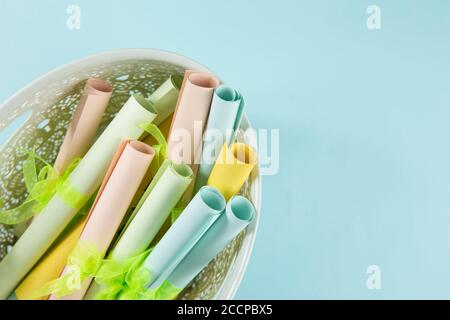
<point>224,119</point>
<point>239,213</point>
<point>196,218</point>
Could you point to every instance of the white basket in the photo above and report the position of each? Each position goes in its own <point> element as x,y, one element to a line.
<point>223,276</point>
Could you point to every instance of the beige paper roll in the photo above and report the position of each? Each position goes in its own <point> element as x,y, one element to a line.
<point>124,175</point>
<point>190,117</point>
<point>85,122</point>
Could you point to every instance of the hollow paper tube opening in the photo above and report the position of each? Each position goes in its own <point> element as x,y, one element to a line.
<point>177,81</point>
<point>204,80</point>
<point>182,170</point>
<point>242,208</point>
<point>226,93</point>
<point>99,85</point>
<point>144,102</point>
<point>212,198</point>
<point>141,147</point>
<point>243,153</point>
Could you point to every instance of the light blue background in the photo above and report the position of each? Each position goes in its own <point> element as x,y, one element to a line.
<point>364,118</point>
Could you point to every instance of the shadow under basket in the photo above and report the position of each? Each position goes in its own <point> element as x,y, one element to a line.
<point>44,109</point>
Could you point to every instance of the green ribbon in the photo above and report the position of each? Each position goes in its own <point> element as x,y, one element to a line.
<point>136,281</point>
<point>161,146</point>
<point>111,275</point>
<point>41,187</point>
<point>83,263</point>
<point>166,291</point>
<point>116,276</point>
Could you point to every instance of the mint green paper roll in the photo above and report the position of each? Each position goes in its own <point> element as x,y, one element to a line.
<point>165,97</point>
<point>85,179</point>
<point>227,107</point>
<point>197,217</point>
<point>239,213</point>
<point>161,196</point>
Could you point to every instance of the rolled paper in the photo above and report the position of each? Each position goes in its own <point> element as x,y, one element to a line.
<point>239,213</point>
<point>154,166</point>
<point>85,179</point>
<point>85,122</point>
<point>191,114</point>
<point>161,196</point>
<point>197,217</point>
<point>51,265</point>
<point>232,168</point>
<point>163,100</point>
<point>123,177</point>
<point>165,97</point>
<point>158,200</point>
<point>224,119</point>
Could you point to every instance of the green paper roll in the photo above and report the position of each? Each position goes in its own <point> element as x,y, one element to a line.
<point>161,196</point>
<point>85,179</point>
<point>165,97</point>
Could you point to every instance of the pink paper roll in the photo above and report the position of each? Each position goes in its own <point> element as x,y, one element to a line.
<point>190,117</point>
<point>122,179</point>
<point>85,122</point>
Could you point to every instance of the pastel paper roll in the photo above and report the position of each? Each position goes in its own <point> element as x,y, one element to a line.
<point>165,97</point>
<point>161,196</point>
<point>239,213</point>
<point>159,199</point>
<point>197,217</point>
<point>121,182</point>
<point>85,122</point>
<point>85,178</point>
<point>232,168</point>
<point>150,140</point>
<point>81,132</point>
<point>191,114</point>
<point>163,100</point>
<point>224,119</point>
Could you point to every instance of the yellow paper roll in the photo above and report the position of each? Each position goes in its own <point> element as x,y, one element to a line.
<point>232,168</point>
<point>51,265</point>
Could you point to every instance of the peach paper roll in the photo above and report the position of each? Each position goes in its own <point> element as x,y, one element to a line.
<point>232,168</point>
<point>85,122</point>
<point>123,177</point>
<point>190,117</point>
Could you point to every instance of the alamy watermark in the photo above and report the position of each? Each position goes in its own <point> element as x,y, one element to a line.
<point>373,281</point>
<point>74,19</point>
<point>183,148</point>
<point>374,19</point>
